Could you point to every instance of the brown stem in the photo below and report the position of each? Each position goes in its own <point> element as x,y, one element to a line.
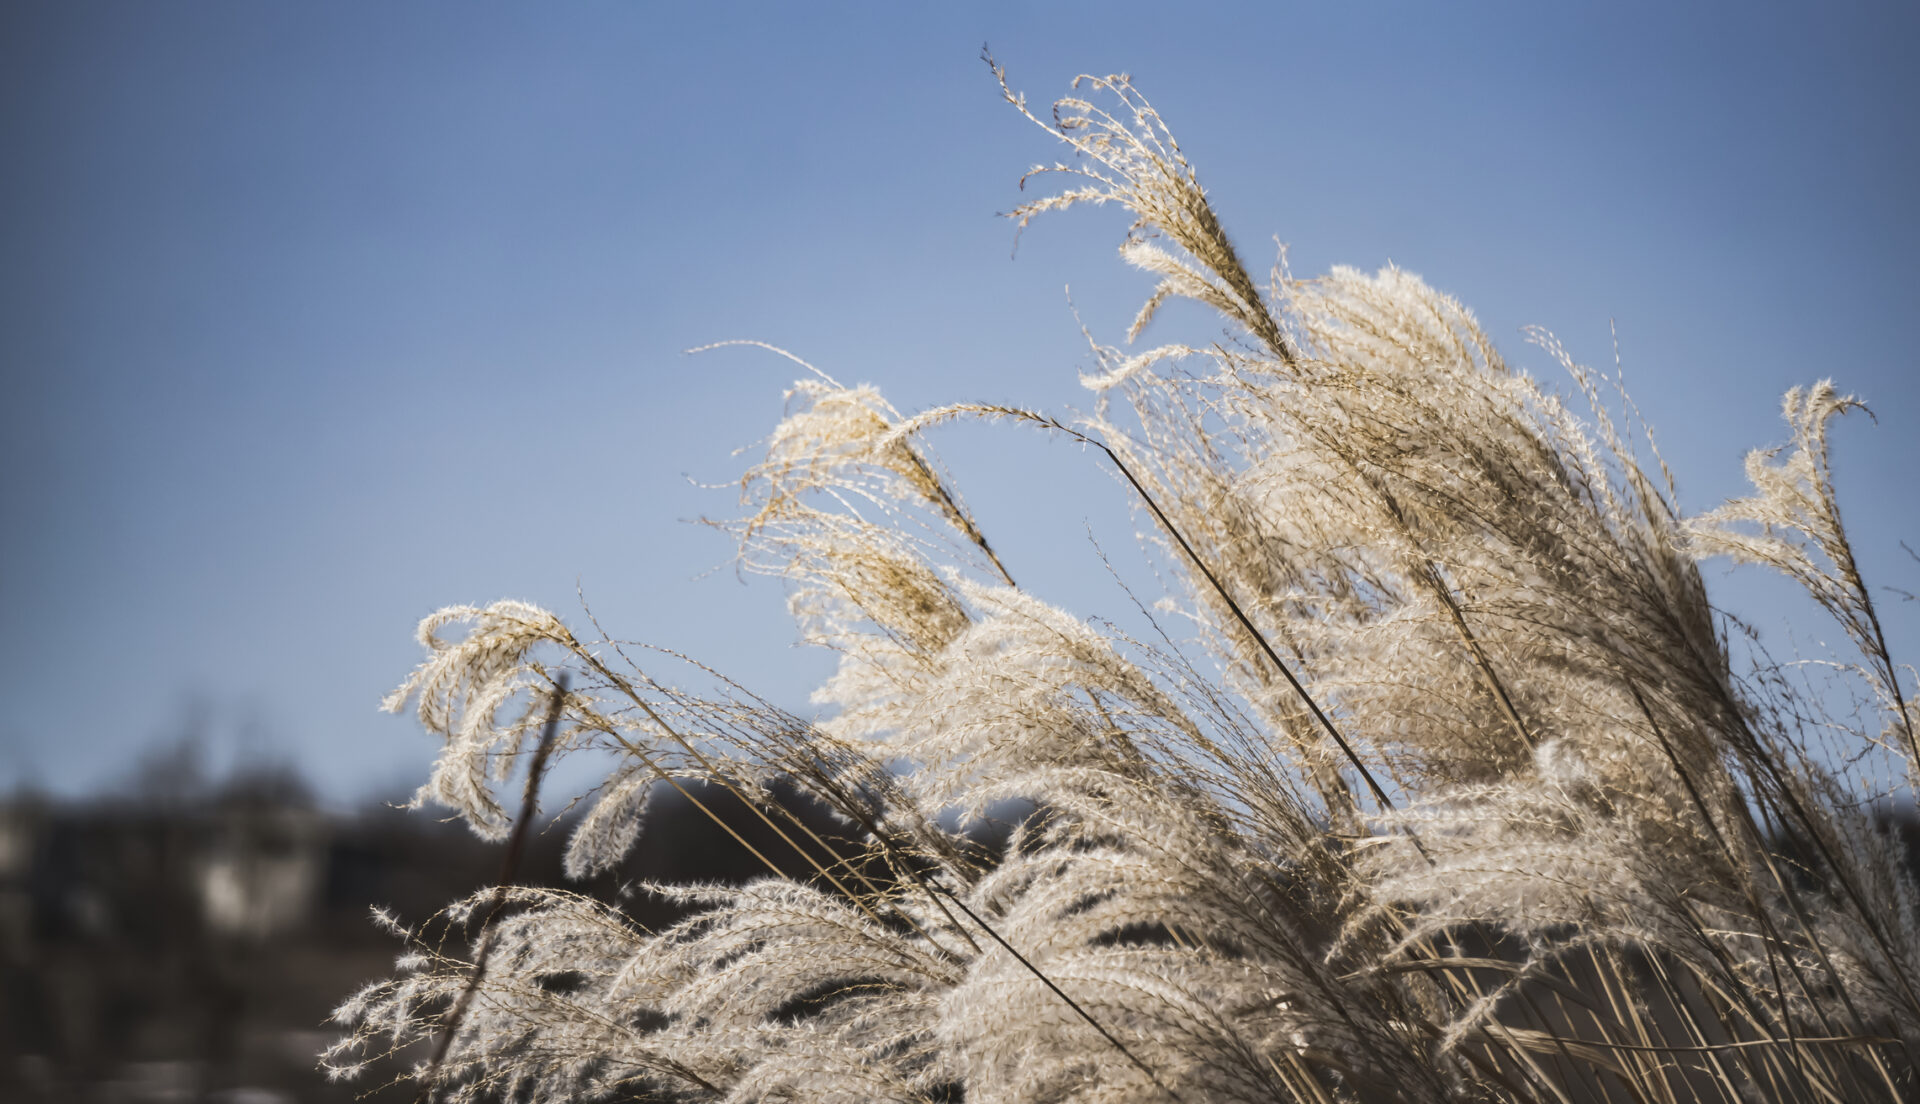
<point>1058,992</point>
<point>509,864</point>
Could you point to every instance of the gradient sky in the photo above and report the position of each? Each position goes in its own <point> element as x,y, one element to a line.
<point>314,319</point>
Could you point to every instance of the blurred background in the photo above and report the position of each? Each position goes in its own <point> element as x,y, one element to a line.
<point>316,318</point>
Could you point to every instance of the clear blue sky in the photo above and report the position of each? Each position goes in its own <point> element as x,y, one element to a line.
<point>316,318</point>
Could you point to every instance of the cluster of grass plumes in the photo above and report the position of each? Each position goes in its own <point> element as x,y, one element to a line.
<point>1448,787</point>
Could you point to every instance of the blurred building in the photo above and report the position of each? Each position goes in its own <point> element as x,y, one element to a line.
<point>187,942</point>
<point>168,950</point>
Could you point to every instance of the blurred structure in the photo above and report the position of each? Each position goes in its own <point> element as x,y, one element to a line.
<point>186,940</point>
<point>187,943</point>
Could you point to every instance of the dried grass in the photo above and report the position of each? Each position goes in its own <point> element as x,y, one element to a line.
<point>1453,790</point>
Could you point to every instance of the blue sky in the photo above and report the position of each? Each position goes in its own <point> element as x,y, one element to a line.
<point>316,318</point>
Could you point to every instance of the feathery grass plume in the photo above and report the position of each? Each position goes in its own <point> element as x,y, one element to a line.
<point>1800,536</point>
<point>1449,788</point>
